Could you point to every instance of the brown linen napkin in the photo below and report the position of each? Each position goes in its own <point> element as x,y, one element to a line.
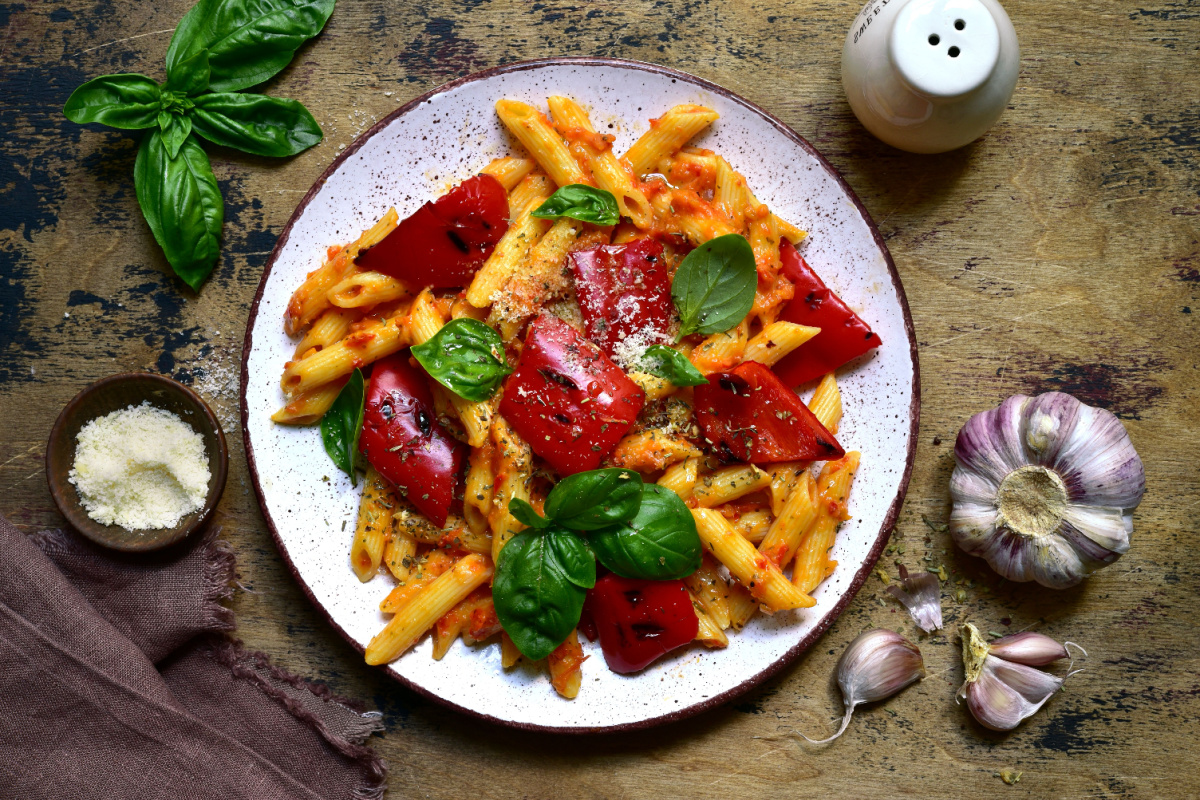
<point>85,712</point>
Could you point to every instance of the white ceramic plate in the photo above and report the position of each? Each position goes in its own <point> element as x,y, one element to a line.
<point>414,155</point>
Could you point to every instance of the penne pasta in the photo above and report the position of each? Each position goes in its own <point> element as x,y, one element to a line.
<point>308,407</point>
<point>729,194</point>
<point>667,134</point>
<point>509,170</point>
<point>656,388</point>
<point>754,525</point>
<point>794,520</point>
<point>373,527</point>
<point>456,535</point>
<point>776,340</point>
<point>730,483</point>
<point>430,604</point>
<point>711,590</point>
<point>789,231</point>
<point>752,569</point>
<point>308,301</point>
<point>329,328</point>
<point>609,172</point>
<point>651,451</point>
<point>512,250</point>
<point>708,632</point>
<point>399,554</point>
<point>513,474</point>
<point>428,567</point>
<point>363,289</point>
<point>357,349</point>
<point>681,478</point>
<point>721,351</point>
<point>812,560</point>
<point>826,403</point>
<point>564,663</point>
<point>537,135</point>
<point>784,476</point>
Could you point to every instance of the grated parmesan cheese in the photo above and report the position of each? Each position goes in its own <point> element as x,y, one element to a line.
<point>141,468</point>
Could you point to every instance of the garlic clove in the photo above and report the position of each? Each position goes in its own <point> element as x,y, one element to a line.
<point>922,596</point>
<point>1005,694</point>
<point>1058,565</point>
<point>968,486</point>
<point>1048,419</point>
<point>989,444</point>
<point>1098,463</point>
<point>1109,528</point>
<point>1028,647</point>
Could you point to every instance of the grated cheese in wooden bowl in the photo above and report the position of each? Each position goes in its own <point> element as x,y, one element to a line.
<point>140,468</point>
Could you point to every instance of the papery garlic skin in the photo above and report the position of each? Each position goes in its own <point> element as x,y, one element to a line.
<point>876,665</point>
<point>1045,488</point>
<point>922,596</point>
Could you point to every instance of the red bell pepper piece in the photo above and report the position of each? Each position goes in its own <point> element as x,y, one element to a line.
<point>624,291</point>
<point>640,621</point>
<point>446,241</point>
<point>566,399</point>
<point>748,414</point>
<point>843,337</point>
<point>402,439</point>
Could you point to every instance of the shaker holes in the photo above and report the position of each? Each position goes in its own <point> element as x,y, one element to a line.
<point>934,38</point>
<point>954,51</point>
<point>959,24</point>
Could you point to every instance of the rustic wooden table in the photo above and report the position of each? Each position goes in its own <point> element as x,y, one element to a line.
<point>1060,252</point>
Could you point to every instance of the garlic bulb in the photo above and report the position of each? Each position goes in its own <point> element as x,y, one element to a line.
<point>922,596</point>
<point>1045,489</point>
<point>1002,687</point>
<point>877,664</point>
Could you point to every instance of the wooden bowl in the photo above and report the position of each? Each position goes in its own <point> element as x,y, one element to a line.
<point>113,394</point>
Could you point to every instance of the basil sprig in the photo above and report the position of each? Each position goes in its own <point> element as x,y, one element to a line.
<point>672,365</point>
<point>542,578</point>
<point>219,47</point>
<point>466,356</point>
<point>342,424</point>
<point>635,529</point>
<point>714,287</point>
<point>582,202</point>
<point>659,543</point>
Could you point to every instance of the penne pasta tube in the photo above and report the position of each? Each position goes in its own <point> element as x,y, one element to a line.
<point>537,135</point>
<point>511,251</point>
<point>776,340</point>
<point>789,231</point>
<point>656,388</point>
<point>826,403</point>
<point>721,351</point>
<point>509,654</point>
<point>362,289</point>
<point>729,194</point>
<point>420,614</point>
<point>308,301</point>
<point>513,475</point>
<point>509,170</point>
<point>754,525</point>
<point>784,476</point>
<point>564,663</point>
<point>427,568</point>
<point>308,407</point>
<point>373,527</point>
<point>456,535</point>
<point>399,554</point>
<point>728,484</point>
<point>708,632</point>
<point>358,349</point>
<point>609,172</point>
<point>651,450</point>
<point>742,606</point>
<point>667,134</point>
<point>752,569</point>
<point>710,589</point>
<point>681,478</point>
<point>329,328</point>
<point>812,560</point>
<point>543,277</point>
<point>794,520</point>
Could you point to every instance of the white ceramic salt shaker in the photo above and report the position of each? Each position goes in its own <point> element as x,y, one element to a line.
<point>929,76</point>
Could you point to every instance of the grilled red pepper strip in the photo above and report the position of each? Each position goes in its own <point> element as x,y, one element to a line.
<point>843,337</point>
<point>446,241</point>
<point>566,399</point>
<point>640,621</point>
<point>624,291</point>
<point>748,414</point>
<point>402,439</point>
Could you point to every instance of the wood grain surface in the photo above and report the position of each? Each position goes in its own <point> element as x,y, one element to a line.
<point>1058,252</point>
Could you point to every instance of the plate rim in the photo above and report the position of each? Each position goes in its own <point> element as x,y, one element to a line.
<point>889,520</point>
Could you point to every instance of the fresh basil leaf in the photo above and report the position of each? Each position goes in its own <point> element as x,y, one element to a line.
<point>714,285</point>
<point>595,499</point>
<point>191,76</point>
<point>660,543</point>
<point>255,123</point>
<point>672,365</point>
<point>466,356</point>
<point>175,132</point>
<point>128,101</point>
<point>573,552</point>
<point>182,204</point>
<point>539,590</point>
<point>582,202</point>
<point>247,41</point>
<point>526,514</point>
<point>342,424</point>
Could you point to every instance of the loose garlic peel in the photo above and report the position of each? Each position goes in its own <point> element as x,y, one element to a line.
<point>1045,488</point>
